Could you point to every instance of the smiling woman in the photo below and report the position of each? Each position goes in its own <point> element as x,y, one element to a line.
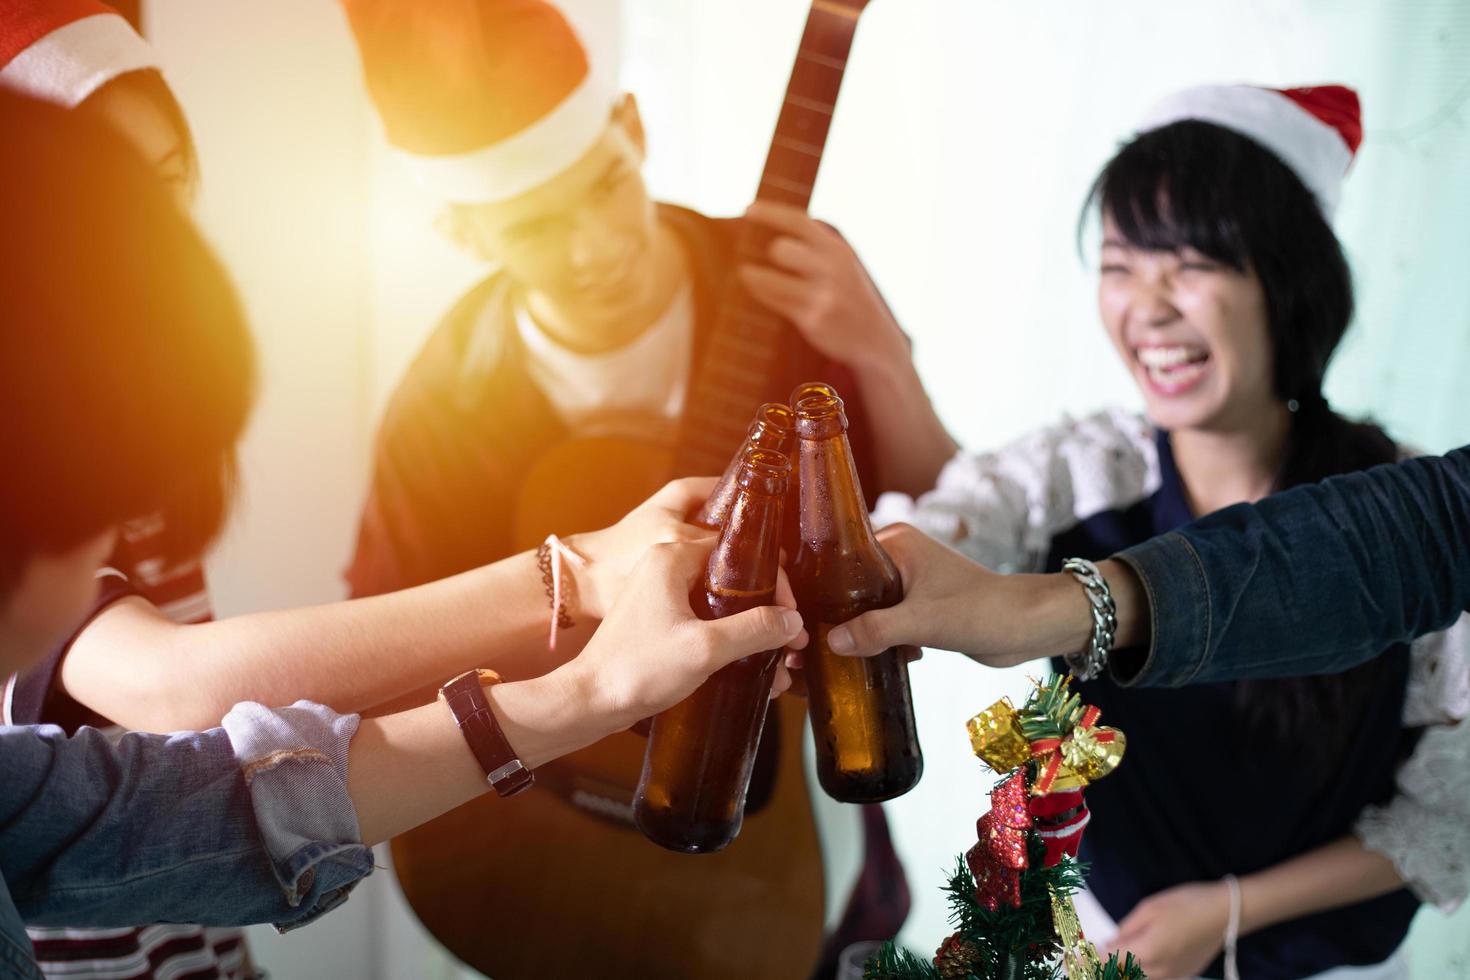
<point>1225,293</point>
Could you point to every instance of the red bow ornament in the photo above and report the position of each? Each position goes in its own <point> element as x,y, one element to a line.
<point>1000,856</point>
<point>1085,754</point>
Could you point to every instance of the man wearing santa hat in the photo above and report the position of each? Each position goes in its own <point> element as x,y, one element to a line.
<point>601,301</point>
<point>598,312</point>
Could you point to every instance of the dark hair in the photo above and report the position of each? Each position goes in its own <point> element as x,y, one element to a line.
<point>126,370</point>
<point>1204,186</point>
<point>150,85</point>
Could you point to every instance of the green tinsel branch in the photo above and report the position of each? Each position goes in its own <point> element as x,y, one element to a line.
<point>1052,711</point>
<point>892,963</point>
<point>1129,969</point>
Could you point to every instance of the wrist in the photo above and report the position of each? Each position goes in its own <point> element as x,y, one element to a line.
<point>1057,616</point>
<point>1129,600</point>
<point>884,365</point>
<point>545,717</point>
<point>594,712</point>
<point>576,596</point>
<point>582,600</point>
<point>1255,911</point>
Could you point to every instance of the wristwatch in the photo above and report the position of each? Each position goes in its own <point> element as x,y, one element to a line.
<point>465,695</point>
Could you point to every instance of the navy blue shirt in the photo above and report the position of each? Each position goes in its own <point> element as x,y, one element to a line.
<point>1208,790</point>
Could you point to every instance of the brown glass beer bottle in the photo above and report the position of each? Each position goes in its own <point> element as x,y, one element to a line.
<point>774,429</point>
<point>862,711</point>
<point>696,768</point>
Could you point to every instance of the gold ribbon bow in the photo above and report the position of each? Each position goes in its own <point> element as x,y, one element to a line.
<point>1086,754</point>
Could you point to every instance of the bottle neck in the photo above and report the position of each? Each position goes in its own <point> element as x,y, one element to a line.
<point>833,512</point>
<point>764,435</point>
<point>744,562</point>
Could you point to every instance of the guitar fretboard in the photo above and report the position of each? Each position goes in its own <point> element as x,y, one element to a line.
<point>732,382</point>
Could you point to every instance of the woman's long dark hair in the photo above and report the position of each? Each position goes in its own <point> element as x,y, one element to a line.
<point>1209,188</point>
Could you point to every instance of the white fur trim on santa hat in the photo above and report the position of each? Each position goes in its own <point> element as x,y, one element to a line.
<point>527,159</point>
<point>1310,147</point>
<point>77,59</point>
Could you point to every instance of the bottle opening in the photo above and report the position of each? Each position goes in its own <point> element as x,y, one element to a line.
<point>777,416</point>
<point>811,388</point>
<point>764,471</point>
<point>820,416</point>
<point>773,428</point>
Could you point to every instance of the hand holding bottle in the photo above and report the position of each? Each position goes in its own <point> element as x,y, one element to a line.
<point>953,603</point>
<point>613,552</point>
<point>652,651</point>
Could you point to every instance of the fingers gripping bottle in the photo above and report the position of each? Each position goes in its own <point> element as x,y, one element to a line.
<point>862,711</point>
<point>696,769</point>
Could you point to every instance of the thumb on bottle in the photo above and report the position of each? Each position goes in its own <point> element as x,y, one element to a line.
<point>753,631</point>
<point>868,634</point>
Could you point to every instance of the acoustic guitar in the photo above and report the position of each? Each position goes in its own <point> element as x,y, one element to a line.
<point>557,883</point>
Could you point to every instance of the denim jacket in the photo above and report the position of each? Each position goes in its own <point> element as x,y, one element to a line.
<point>250,822</point>
<point>1345,568</point>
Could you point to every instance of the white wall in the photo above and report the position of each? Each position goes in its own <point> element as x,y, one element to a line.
<point>966,136</point>
<point>272,91</point>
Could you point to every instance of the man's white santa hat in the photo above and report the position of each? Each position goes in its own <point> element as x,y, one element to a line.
<point>61,51</point>
<point>1315,131</point>
<point>484,99</point>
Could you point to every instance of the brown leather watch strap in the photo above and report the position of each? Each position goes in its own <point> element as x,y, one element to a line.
<point>465,695</point>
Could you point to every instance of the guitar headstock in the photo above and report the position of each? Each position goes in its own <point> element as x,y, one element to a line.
<point>847,8</point>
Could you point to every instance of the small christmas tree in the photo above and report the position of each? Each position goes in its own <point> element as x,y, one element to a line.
<point>1011,894</point>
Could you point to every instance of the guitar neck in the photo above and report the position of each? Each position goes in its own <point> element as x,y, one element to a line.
<point>743,348</point>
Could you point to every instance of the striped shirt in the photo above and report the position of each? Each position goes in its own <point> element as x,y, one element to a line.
<point>152,952</point>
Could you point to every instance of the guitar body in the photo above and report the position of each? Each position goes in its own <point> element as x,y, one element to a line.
<point>583,484</point>
<point>557,883</point>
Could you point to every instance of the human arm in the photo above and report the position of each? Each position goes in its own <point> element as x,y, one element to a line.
<point>1418,839</point>
<point>1347,568</point>
<point>279,803</point>
<point>1424,829</point>
<point>953,603</point>
<point>815,280</point>
<point>134,666</point>
<point>1177,932</point>
<point>651,653</point>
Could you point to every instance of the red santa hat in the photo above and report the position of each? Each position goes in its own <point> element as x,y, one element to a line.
<point>484,99</point>
<point>1315,131</point>
<point>62,51</point>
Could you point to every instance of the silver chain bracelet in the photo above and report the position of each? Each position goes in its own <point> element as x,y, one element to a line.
<point>1089,662</point>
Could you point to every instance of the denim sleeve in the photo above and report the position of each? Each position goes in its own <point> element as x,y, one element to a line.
<point>246,823</point>
<point>1340,570</point>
